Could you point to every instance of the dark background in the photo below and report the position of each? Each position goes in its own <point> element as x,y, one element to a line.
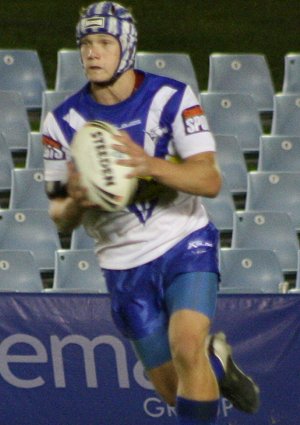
<point>271,27</point>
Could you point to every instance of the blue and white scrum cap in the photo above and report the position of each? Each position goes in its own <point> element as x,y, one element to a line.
<point>111,18</point>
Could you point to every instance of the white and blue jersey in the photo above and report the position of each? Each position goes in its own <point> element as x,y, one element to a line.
<point>165,118</point>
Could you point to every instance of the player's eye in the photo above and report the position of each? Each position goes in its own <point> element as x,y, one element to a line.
<point>105,42</point>
<point>83,43</point>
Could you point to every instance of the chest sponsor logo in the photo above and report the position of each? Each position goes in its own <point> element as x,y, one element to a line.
<point>130,124</point>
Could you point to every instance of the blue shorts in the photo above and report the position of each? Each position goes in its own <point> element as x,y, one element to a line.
<point>143,298</point>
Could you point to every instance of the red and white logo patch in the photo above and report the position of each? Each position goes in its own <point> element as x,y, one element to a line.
<point>53,149</point>
<point>194,120</point>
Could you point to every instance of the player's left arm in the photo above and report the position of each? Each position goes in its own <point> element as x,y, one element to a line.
<point>197,174</point>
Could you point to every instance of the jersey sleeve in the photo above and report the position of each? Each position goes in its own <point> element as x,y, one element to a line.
<point>190,128</point>
<point>56,151</point>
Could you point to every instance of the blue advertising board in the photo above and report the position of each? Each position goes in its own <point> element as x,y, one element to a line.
<point>62,361</point>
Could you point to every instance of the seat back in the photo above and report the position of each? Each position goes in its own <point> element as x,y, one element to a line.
<point>234,114</point>
<point>19,271</point>
<point>6,165</point>
<point>34,155</point>
<point>69,72</point>
<point>242,73</point>
<point>28,189</point>
<point>78,270</point>
<point>279,153</point>
<point>286,115</point>
<point>30,229</point>
<point>232,162</point>
<point>22,71</point>
<point>250,270</point>
<point>297,285</point>
<point>50,100</point>
<point>81,240</point>
<point>267,230</point>
<point>274,191</point>
<point>169,64</point>
<point>291,74</point>
<point>14,123</point>
<point>221,208</point>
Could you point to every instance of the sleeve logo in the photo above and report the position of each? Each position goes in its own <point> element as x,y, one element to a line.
<point>53,149</point>
<point>194,120</point>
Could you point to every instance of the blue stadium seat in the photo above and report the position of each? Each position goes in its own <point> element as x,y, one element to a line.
<point>250,270</point>
<point>34,155</point>
<point>69,72</point>
<point>50,100</point>
<point>170,64</point>
<point>242,73</point>
<point>14,123</point>
<point>19,271</point>
<point>81,240</point>
<point>232,162</point>
<point>274,191</point>
<point>267,230</point>
<point>234,114</point>
<point>221,208</point>
<point>279,153</point>
<point>296,289</point>
<point>22,71</point>
<point>6,165</point>
<point>286,115</point>
<point>291,74</point>
<point>78,271</point>
<point>28,189</point>
<point>30,229</point>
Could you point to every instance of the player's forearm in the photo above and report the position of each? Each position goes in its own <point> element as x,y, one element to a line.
<point>66,213</point>
<point>197,177</point>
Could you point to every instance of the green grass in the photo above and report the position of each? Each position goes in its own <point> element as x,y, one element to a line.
<point>198,27</point>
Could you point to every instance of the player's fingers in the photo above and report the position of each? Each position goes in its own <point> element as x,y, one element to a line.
<point>120,148</point>
<point>125,142</point>
<point>71,168</point>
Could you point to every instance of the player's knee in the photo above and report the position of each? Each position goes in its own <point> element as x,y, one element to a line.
<point>187,351</point>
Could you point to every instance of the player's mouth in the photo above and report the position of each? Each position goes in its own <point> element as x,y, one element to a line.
<point>95,68</point>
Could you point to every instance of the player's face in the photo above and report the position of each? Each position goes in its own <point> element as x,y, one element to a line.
<point>100,55</point>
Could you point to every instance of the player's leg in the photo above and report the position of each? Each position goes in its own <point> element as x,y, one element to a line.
<point>233,383</point>
<point>148,330</point>
<point>191,301</point>
<point>188,333</point>
<point>200,296</point>
<point>154,352</point>
<point>165,381</point>
<point>189,379</point>
<point>189,348</point>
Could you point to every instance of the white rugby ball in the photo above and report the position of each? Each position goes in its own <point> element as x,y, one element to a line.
<point>96,161</point>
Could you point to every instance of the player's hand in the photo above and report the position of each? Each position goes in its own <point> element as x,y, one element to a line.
<point>138,159</point>
<point>75,190</point>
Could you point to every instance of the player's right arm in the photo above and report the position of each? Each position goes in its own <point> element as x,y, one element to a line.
<point>67,201</point>
<point>62,183</point>
<point>65,214</point>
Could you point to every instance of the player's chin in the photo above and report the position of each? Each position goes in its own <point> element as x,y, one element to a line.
<point>98,78</point>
